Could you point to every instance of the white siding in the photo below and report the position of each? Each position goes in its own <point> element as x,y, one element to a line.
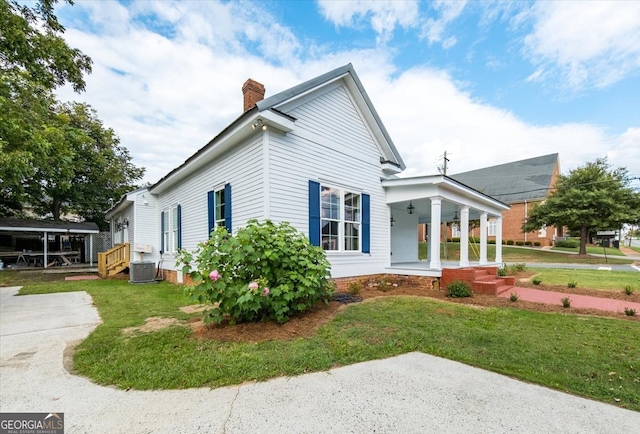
<point>147,231</point>
<point>404,237</point>
<point>332,145</point>
<point>241,167</point>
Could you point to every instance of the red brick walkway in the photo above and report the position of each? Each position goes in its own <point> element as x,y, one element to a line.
<point>579,301</point>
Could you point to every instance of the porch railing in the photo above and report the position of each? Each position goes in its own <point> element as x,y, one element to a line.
<point>114,260</point>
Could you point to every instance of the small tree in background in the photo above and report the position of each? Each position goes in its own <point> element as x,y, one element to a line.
<point>591,197</point>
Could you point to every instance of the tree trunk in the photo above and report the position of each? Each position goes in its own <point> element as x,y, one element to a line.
<point>55,209</point>
<point>584,233</point>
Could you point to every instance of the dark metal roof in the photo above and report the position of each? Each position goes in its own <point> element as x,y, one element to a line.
<point>33,225</point>
<point>517,181</point>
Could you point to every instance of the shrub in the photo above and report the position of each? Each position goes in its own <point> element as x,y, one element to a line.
<point>570,243</point>
<point>509,242</point>
<point>458,289</point>
<point>536,281</point>
<point>628,290</point>
<point>528,243</point>
<point>503,271</point>
<point>519,243</point>
<point>264,271</point>
<point>354,288</point>
<point>566,302</point>
<point>537,243</point>
<point>572,284</point>
<point>491,241</point>
<point>520,267</point>
<point>514,297</point>
<point>455,239</point>
<point>629,311</point>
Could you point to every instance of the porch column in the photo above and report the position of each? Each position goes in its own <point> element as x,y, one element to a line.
<point>483,239</point>
<point>464,236</point>
<point>434,242</point>
<point>46,249</point>
<point>91,250</point>
<point>499,240</point>
<point>429,233</point>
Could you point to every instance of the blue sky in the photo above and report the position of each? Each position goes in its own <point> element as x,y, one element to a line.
<point>489,82</point>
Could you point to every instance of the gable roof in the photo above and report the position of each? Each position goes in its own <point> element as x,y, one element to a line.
<point>355,85</point>
<point>517,181</point>
<point>267,110</point>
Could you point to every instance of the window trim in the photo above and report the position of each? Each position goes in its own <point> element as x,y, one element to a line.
<point>341,220</point>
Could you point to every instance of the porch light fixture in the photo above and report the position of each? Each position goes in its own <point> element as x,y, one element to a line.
<point>456,219</point>
<point>393,221</point>
<point>259,124</point>
<point>411,208</point>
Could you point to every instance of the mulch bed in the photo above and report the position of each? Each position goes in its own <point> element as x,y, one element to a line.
<point>307,324</point>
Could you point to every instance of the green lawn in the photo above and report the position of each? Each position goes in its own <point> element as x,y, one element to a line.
<point>592,279</point>
<point>609,251</point>
<point>637,249</point>
<point>518,254</point>
<point>576,354</point>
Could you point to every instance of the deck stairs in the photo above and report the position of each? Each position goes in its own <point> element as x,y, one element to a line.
<point>114,260</point>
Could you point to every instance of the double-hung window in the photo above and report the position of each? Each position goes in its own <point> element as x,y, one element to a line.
<point>166,238</point>
<point>340,219</point>
<point>455,231</point>
<point>170,227</point>
<point>491,228</point>
<point>351,221</point>
<point>219,207</point>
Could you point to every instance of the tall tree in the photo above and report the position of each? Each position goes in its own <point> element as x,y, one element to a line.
<point>34,59</point>
<point>31,43</point>
<point>86,170</point>
<point>55,157</point>
<point>591,197</point>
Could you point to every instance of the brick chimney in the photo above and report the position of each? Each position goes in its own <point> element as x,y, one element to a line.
<point>253,92</point>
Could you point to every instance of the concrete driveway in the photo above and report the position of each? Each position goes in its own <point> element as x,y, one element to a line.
<point>412,393</point>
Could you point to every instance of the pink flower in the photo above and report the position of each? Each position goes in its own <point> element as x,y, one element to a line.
<point>265,292</point>
<point>214,275</point>
<point>253,285</point>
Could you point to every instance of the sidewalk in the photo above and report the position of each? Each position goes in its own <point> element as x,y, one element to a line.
<point>577,301</point>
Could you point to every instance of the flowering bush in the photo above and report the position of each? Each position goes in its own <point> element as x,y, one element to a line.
<point>264,271</point>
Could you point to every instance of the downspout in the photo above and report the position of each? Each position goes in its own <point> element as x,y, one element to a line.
<point>526,211</point>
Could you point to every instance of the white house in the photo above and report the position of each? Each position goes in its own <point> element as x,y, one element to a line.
<point>318,156</point>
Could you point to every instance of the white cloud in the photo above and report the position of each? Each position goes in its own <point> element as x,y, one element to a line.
<point>434,29</point>
<point>167,96</point>
<point>592,43</point>
<point>384,16</point>
<point>426,114</point>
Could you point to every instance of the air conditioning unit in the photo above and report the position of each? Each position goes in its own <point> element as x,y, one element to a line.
<point>142,272</point>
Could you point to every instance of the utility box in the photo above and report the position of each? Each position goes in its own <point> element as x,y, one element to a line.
<point>142,272</point>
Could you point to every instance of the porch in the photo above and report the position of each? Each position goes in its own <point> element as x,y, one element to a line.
<point>439,202</point>
<point>422,268</point>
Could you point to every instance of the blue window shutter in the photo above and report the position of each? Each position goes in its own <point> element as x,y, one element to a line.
<point>179,240</point>
<point>162,231</point>
<point>366,224</point>
<point>227,207</point>
<point>211,214</point>
<point>314,213</point>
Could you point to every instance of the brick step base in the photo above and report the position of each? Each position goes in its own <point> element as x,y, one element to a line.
<point>482,280</point>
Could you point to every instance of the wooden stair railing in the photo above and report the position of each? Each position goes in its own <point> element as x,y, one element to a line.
<point>114,260</point>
